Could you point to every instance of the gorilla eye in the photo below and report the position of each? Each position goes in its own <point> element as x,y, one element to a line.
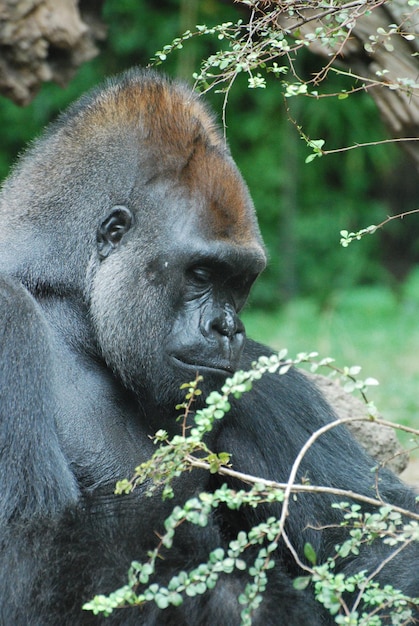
<point>112,229</point>
<point>201,275</point>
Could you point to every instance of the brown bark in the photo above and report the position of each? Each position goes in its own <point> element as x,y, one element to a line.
<point>45,40</point>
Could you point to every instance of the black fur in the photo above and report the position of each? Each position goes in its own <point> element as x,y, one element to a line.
<point>128,246</point>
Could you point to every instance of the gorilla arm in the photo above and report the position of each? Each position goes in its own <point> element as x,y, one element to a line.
<point>36,484</point>
<point>34,475</point>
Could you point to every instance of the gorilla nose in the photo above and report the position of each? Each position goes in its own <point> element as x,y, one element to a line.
<point>225,323</point>
<point>224,336</point>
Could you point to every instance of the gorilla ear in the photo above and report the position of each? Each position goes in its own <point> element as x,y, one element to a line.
<point>112,229</point>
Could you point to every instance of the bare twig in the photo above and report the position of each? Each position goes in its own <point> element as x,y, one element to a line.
<point>291,487</point>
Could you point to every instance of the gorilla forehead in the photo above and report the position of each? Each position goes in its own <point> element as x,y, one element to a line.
<point>208,197</point>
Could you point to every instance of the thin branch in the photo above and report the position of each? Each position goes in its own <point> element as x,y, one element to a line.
<point>294,553</point>
<point>377,570</point>
<point>370,143</point>
<point>395,217</point>
<point>291,487</point>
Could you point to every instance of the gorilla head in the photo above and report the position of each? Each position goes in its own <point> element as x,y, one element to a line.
<point>145,227</point>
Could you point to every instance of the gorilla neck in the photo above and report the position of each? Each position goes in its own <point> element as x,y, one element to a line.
<point>68,318</point>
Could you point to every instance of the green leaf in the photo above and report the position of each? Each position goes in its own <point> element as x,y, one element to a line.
<point>309,553</point>
<point>301,582</point>
<point>311,158</point>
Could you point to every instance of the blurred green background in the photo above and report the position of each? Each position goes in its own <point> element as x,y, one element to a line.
<point>359,304</point>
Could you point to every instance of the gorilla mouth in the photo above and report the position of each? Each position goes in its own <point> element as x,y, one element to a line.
<point>219,367</point>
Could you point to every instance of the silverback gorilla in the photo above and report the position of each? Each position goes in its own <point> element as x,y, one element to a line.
<point>129,244</point>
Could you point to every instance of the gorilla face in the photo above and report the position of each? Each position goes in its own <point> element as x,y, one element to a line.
<point>173,270</point>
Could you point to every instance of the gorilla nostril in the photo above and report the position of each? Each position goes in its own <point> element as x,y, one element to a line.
<point>227,323</point>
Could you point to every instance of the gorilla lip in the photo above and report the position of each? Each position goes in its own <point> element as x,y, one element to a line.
<point>204,368</point>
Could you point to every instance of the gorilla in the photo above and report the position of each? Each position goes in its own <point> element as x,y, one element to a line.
<point>128,248</point>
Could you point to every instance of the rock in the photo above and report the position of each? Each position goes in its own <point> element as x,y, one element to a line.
<point>45,40</point>
<point>380,441</point>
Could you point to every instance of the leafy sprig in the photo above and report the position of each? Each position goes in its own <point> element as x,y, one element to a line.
<point>177,455</point>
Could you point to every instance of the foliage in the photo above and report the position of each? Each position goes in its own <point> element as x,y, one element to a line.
<point>187,451</point>
<point>347,237</point>
<point>271,39</point>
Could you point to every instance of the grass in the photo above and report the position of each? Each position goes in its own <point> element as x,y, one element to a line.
<point>370,327</point>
